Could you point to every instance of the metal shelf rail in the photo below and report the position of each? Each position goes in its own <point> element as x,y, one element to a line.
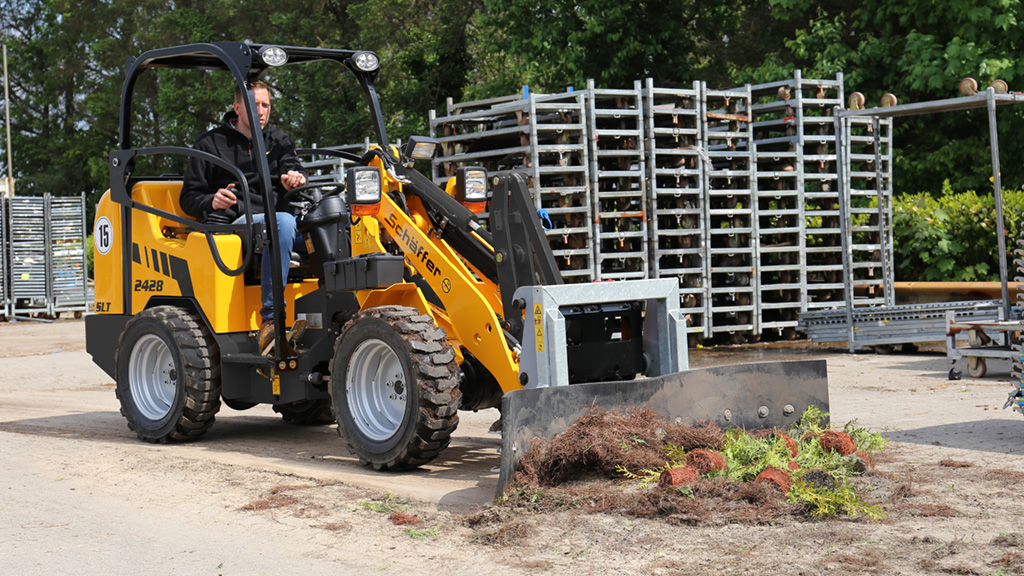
<point>888,325</point>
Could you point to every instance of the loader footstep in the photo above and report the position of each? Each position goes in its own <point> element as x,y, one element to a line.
<point>292,336</point>
<point>295,334</point>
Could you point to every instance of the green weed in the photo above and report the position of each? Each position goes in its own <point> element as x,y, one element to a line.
<point>423,534</point>
<point>389,505</point>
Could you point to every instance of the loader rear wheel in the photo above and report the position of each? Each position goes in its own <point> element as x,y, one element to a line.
<point>309,413</point>
<point>168,375</point>
<point>394,386</point>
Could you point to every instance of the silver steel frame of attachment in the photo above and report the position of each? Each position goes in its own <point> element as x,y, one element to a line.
<point>544,358</point>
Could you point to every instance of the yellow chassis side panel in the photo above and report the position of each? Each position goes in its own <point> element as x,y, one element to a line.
<point>178,267</point>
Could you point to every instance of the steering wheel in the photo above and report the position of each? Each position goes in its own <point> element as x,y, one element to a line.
<point>304,191</point>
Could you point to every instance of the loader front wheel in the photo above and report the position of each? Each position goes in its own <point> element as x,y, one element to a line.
<point>394,387</point>
<point>167,372</point>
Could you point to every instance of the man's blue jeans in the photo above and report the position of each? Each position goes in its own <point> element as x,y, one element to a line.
<point>286,228</point>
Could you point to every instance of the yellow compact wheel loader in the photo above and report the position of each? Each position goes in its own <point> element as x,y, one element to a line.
<point>405,311</point>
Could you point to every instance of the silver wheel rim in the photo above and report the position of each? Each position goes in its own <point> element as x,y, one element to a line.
<point>377,389</point>
<point>152,377</point>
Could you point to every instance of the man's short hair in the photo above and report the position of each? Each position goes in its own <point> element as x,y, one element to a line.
<point>252,85</point>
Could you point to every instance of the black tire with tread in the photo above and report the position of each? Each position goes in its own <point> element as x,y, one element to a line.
<point>197,360</point>
<point>430,416</point>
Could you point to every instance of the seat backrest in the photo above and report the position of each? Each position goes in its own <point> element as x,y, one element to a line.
<point>162,195</point>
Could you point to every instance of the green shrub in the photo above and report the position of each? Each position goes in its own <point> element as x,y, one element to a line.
<point>952,237</point>
<point>89,255</point>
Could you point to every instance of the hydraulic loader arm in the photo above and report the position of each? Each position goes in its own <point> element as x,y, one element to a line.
<point>469,297</point>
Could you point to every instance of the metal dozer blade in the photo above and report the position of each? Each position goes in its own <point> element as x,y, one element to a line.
<point>750,396</point>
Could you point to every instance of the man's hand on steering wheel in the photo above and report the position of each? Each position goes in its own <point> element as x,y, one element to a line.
<point>292,179</point>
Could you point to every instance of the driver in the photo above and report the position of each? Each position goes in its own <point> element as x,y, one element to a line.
<point>211,193</point>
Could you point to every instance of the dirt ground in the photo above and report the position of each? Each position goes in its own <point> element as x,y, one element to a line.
<point>79,494</point>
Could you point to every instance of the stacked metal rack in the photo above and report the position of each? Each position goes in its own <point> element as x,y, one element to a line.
<point>867,180</point>
<point>543,136</point>
<point>675,171</point>
<point>322,167</point>
<point>794,180</point>
<point>736,193</point>
<point>44,256</point>
<point>65,234</point>
<point>1015,398</point>
<point>28,256</point>
<point>823,203</point>
<point>5,280</point>
<point>615,130</point>
<point>730,218</point>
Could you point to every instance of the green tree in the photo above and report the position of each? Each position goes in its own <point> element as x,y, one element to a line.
<point>918,50</point>
<point>552,45</point>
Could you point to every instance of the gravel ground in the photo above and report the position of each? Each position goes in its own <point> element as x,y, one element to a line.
<point>258,496</point>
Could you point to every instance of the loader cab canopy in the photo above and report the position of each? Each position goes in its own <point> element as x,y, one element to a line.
<point>247,62</point>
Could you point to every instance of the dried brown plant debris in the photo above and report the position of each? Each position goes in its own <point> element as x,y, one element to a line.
<point>870,561</point>
<point>1010,560</point>
<point>928,510</point>
<point>494,526</point>
<point>291,487</point>
<point>708,436</point>
<point>272,501</point>
<point>1007,476</point>
<point>950,463</point>
<point>955,546</point>
<point>507,534</point>
<point>403,519</point>
<point>901,492</point>
<point>336,526</point>
<point>602,442</point>
<point>1011,540</point>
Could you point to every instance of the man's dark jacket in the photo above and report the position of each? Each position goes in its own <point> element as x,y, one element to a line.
<point>203,179</point>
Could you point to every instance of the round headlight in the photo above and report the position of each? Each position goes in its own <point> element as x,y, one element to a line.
<point>273,56</point>
<point>367,61</point>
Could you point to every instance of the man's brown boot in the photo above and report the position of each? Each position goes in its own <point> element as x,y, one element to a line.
<point>266,335</point>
